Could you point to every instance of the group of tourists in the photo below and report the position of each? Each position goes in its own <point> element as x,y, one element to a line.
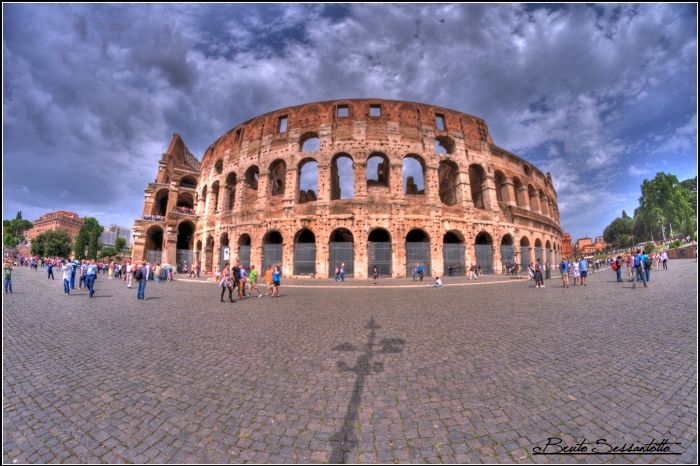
<point>475,271</point>
<point>340,273</point>
<point>418,272</point>
<point>236,277</point>
<point>157,218</point>
<point>184,210</point>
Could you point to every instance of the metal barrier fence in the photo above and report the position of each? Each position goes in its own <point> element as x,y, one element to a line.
<point>453,256</point>
<point>305,259</point>
<point>484,256</point>
<point>182,256</point>
<point>272,256</point>
<point>154,257</point>
<point>244,256</point>
<point>341,253</point>
<point>379,255</point>
<point>524,257</point>
<point>507,254</point>
<point>417,253</point>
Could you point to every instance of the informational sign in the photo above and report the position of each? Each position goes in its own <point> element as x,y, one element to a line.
<point>227,251</point>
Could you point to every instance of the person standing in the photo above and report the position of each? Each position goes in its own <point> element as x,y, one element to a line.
<point>129,274</point>
<point>199,269</point>
<point>583,265</point>
<point>276,274</point>
<point>141,274</point>
<point>629,261</point>
<point>639,272</point>
<point>74,267</point>
<point>49,271</point>
<point>237,281</point>
<point>254,282</point>
<point>90,276</point>
<point>192,272</point>
<point>647,263</point>
<point>415,273</point>
<point>564,268</point>
<point>472,272</point>
<point>421,271</point>
<point>156,274</point>
<point>337,273</point>
<point>342,272</point>
<point>82,282</point>
<point>226,283</point>
<point>67,272</point>
<point>8,276</point>
<point>375,274</point>
<point>618,268</point>
<point>170,273</point>
<point>244,280</point>
<point>664,258</point>
<point>268,280</point>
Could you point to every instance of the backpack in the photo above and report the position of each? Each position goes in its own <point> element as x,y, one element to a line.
<point>614,266</point>
<point>648,263</point>
<point>138,275</point>
<point>636,262</point>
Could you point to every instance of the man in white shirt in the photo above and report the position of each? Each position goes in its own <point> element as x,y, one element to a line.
<point>129,274</point>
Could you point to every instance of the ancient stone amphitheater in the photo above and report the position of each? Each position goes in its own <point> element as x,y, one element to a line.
<point>363,182</point>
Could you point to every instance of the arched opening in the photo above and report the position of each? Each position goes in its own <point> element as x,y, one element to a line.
<point>527,170</point>
<point>219,167</point>
<point>230,190</point>
<point>483,250</point>
<point>477,183</point>
<point>413,171</point>
<point>277,175</point>
<point>377,171</point>
<point>521,199</point>
<point>524,253</point>
<point>341,250</point>
<point>188,182</point>
<point>272,250</point>
<point>154,244</point>
<point>308,180</point>
<point>160,203</point>
<point>534,198</point>
<point>417,251</point>
<point>538,250</point>
<point>548,252</point>
<point>225,252</point>
<point>448,177</point>
<point>342,177</point>
<point>244,250</point>
<point>444,145</point>
<point>453,254</point>
<point>310,142</point>
<point>501,187</point>
<point>215,196</point>
<point>185,240</point>
<point>305,253</point>
<point>544,203</point>
<point>251,177</point>
<point>379,252</point>
<point>507,251</point>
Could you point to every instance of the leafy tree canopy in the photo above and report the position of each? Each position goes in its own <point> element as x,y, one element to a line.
<point>618,227</point>
<point>664,201</point>
<point>120,243</point>
<point>108,251</point>
<point>52,243</point>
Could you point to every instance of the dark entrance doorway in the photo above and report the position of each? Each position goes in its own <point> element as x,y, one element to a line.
<point>483,249</point>
<point>272,250</point>
<point>305,253</point>
<point>453,255</point>
<point>417,251</point>
<point>379,252</point>
<point>507,251</point>
<point>341,250</point>
<point>244,251</point>
<point>185,240</point>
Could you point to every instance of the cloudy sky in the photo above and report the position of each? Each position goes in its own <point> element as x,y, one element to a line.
<point>600,96</point>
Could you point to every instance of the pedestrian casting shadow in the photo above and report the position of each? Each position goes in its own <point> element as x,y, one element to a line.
<point>102,296</point>
<point>346,438</point>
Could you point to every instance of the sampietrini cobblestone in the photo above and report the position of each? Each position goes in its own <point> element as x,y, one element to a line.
<point>460,374</point>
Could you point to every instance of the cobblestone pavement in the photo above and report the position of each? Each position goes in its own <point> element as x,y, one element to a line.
<point>460,374</point>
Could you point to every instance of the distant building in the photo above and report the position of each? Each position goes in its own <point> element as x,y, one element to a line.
<point>566,245</point>
<point>59,219</point>
<point>599,239</point>
<point>111,233</point>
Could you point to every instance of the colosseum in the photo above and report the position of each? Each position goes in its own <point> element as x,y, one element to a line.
<point>364,182</point>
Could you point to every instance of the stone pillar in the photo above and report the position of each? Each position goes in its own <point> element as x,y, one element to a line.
<point>321,256</point>
<point>535,203</point>
<point>395,178</point>
<point>437,261</point>
<point>398,257</point>
<point>523,198</point>
<point>544,203</point>
<point>510,191</point>
<point>360,250</point>
<point>360,171</point>
<point>287,265</point>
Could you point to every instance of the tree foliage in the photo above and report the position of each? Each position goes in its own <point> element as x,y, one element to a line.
<point>13,230</point>
<point>89,235</point>
<point>624,214</point>
<point>664,201</point>
<point>617,228</point>
<point>649,247</point>
<point>108,251</point>
<point>120,243</point>
<point>52,243</point>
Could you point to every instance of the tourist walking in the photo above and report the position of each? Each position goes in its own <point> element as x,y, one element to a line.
<point>82,281</point>
<point>647,263</point>
<point>617,267</point>
<point>538,278</point>
<point>237,281</point>
<point>170,273</point>
<point>564,268</point>
<point>421,270</point>
<point>415,273</point>
<point>664,258</point>
<point>49,271</point>
<point>74,267</point>
<point>472,272</point>
<point>342,272</point>
<point>91,275</point>
<point>337,273</point>
<point>156,273</point>
<point>276,274</point>
<point>629,261</point>
<point>577,272</point>
<point>639,272</point>
<point>253,282</point>
<point>129,274</point>
<point>226,283</point>
<point>375,274</point>
<point>583,265</point>
<point>8,276</point>
<point>141,274</point>
<point>268,280</point>
<point>244,280</point>
<point>67,271</point>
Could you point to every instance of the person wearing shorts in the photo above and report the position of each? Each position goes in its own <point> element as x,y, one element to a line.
<point>584,271</point>
<point>253,281</point>
<point>268,280</point>
<point>375,274</point>
<point>564,269</point>
<point>276,274</point>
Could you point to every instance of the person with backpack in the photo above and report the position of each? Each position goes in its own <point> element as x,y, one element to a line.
<point>238,281</point>
<point>141,274</point>
<point>647,263</point>
<point>90,276</point>
<point>421,271</point>
<point>639,272</point>
<point>564,269</point>
<point>617,267</point>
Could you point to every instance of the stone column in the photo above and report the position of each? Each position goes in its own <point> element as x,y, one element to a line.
<point>523,198</point>
<point>321,255</point>
<point>510,191</point>
<point>437,260</point>
<point>360,251</point>
<point>360,171</point>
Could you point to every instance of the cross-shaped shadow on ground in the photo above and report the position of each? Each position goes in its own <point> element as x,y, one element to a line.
<point>347,436</point>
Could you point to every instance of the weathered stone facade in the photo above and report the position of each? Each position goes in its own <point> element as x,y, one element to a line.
<point>246,193</point>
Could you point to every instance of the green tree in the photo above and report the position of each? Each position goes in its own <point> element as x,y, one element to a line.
<point>664,200</point>
<point>108,251</point>
<point>13,230</point>
<point>618,227</point>
<point>624,214</point>
<point>120,243</point>
<point>649,247</point>
<point>52,243</point>
<point>89,235</point>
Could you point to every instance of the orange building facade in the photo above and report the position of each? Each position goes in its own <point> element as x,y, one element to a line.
<point>59,219</point>
<point>566,245</point>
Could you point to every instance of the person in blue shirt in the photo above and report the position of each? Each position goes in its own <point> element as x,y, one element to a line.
<point>639,270</point>
<point>90,275</point>
<point>647,270</point>
<point>564,269</point>
<point>74,264</point>
<point>276,274</point>
<point>421,270</point>
<point>584,270</point>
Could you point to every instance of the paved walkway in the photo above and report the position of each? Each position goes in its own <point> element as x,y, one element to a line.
<point>460,374</point>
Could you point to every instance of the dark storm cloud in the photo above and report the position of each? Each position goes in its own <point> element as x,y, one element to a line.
<point>92,94</point>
